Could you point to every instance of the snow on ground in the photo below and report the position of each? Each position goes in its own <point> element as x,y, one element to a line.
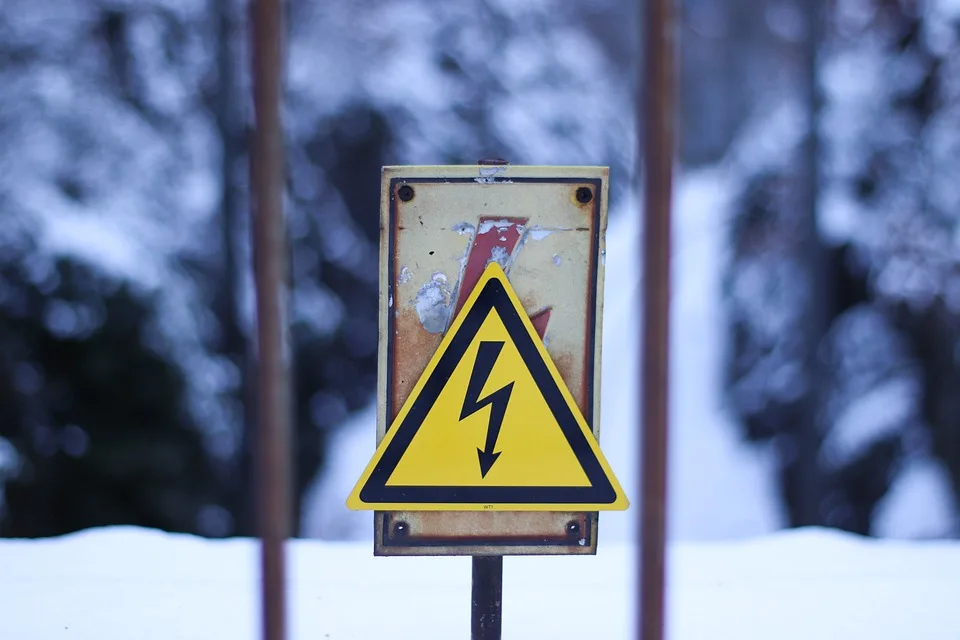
<point>125,582</point>
<point>719,488</point>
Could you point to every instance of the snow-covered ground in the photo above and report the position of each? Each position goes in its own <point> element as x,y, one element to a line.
<point>122,583</point>
<point>719,488</point>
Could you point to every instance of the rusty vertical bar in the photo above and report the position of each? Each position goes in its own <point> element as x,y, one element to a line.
<point>655,109</point>
<point>487,598</point>
<point>267,228</point>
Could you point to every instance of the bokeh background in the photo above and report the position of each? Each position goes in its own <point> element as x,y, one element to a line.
<point>816,290</point>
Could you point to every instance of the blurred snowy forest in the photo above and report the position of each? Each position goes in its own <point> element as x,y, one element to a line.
<point>125,291</point>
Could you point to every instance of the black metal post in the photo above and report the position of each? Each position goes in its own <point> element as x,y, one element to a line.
<point>487,593</point>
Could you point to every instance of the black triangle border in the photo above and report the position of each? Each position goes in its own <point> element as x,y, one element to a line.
<point>493,296</point>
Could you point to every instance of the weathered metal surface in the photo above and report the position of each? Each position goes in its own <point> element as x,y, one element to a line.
<point>657,151</point>
<point>269,253</point>
<point>436,237</point>
<point>436,528</point>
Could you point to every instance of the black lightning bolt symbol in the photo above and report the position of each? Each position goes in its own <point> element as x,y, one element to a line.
<point>486,358</point>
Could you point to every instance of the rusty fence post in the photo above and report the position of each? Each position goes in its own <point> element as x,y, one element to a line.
<point>268,239</point>
<point>655,110</point>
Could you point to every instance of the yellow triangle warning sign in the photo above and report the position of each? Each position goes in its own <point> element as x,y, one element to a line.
<point>490,425</point>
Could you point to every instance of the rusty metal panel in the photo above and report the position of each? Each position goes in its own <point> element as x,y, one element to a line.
<point>440,226</point>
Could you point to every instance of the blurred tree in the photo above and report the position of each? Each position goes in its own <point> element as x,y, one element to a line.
<point>842,322</point>
<point>186,274</point>
<point>113,405</point>
<point>731,54</point>
<point>225,100</point>
<point>897,171</point>
<point>124,130</point>
<point>93,410</point>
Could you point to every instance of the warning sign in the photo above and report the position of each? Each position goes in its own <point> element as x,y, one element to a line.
<point>490,425</point>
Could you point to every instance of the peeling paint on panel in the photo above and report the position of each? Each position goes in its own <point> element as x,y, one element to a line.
<point>433,304</point>
<point>463,228</point>
<point>405,275</point>
<point>499,255</point>
<point>540,232</point>
<point>556,260</point>
<point>488,175</point>
<point>500,225</point>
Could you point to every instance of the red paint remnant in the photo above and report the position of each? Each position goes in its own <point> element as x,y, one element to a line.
<point>481,250</point>
<point>540,320</point>
<point>506,237</point>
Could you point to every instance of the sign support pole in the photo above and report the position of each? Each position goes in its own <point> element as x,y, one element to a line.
<point>655,98</point>
<point>267,227</point>
<point>487,592</point>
